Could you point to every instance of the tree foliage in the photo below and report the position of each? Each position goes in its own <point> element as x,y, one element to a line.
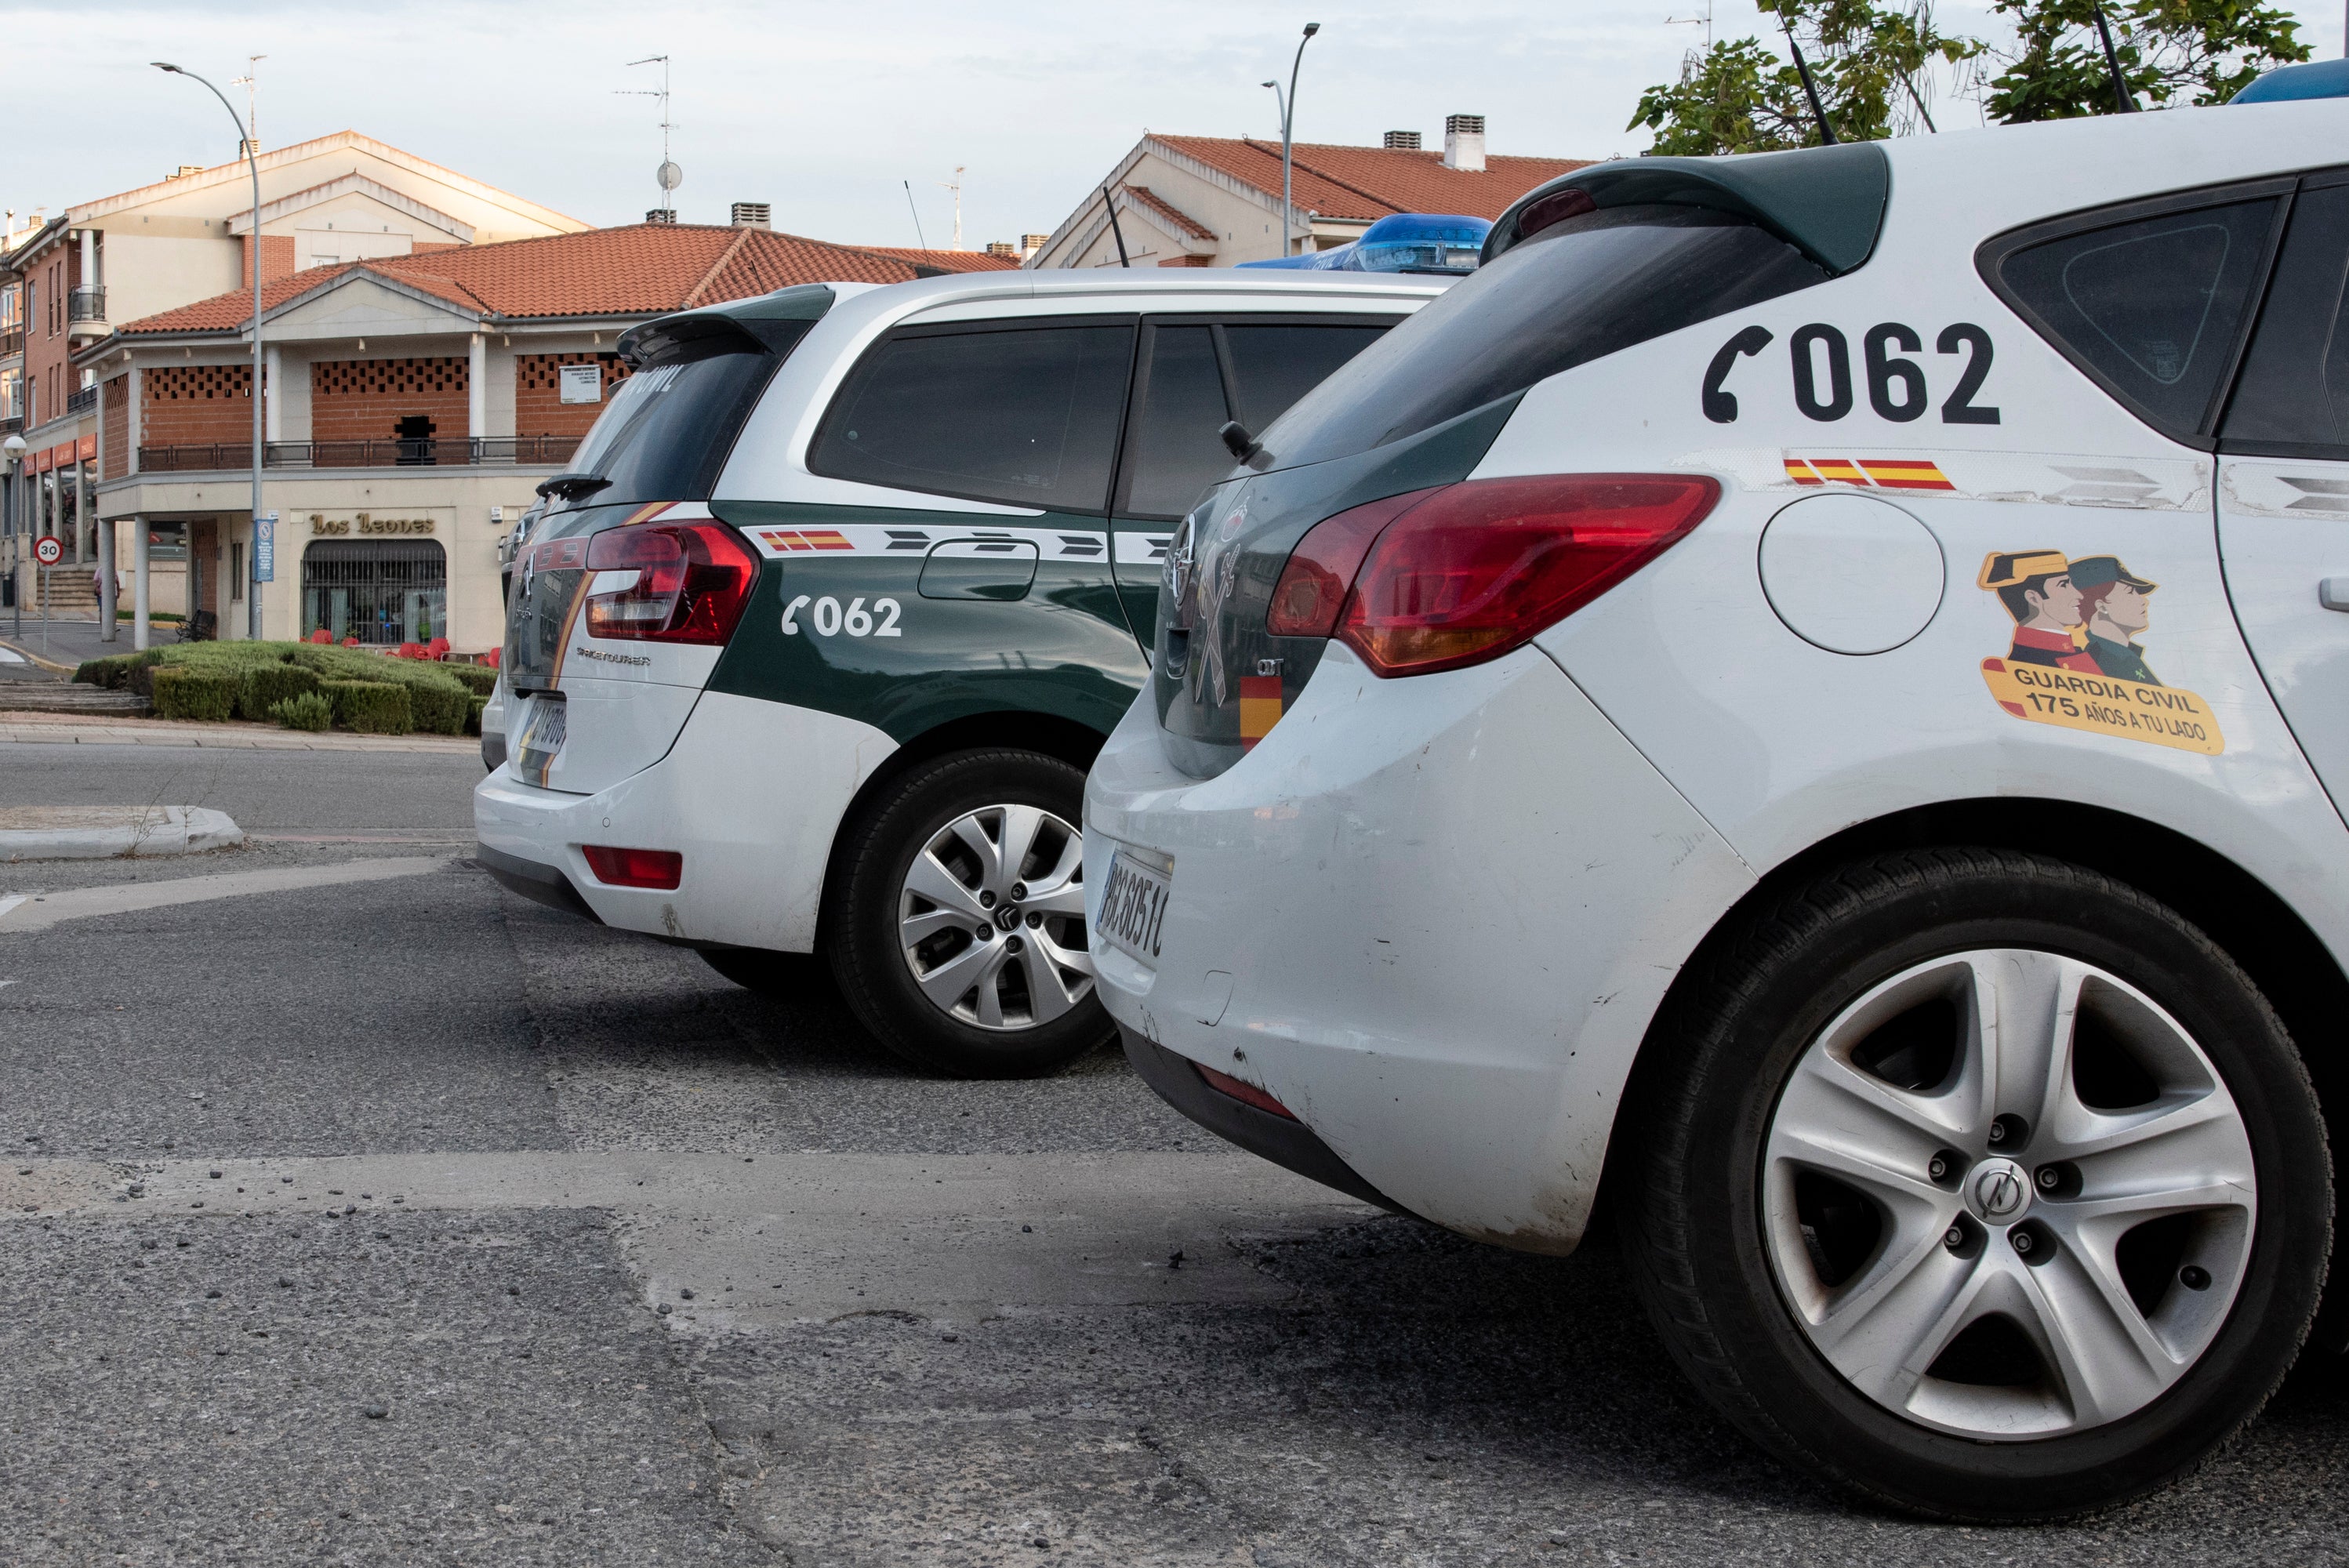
<point>2170,52</point>
<point>1873,65</point>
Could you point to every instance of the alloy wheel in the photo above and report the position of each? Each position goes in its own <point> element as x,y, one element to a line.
<point>992,918</point>
<point>2006,1195</point>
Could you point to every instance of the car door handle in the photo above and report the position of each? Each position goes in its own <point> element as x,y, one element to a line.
<point>2333,592</point>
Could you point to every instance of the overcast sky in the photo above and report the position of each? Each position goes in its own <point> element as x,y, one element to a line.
<point>825,111</point>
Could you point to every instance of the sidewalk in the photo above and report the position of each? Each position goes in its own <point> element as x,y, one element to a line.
<point>79,729</point>
<point>69,642</point>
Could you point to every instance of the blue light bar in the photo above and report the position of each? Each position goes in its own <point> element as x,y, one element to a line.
<point>1441,242</point>
<point>2316,79</point>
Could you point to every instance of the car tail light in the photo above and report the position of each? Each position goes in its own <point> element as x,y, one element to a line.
<point>1245,1093</point>
<point>668,582</point>
<point>1313,585</point>
<point>662,869</point>
<point>1472,570</point>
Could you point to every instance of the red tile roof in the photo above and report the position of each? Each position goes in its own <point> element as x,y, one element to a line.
<point>1183,224</point>
<point>644,269</point>
<point>1368,182</point>
<point>948,261</point>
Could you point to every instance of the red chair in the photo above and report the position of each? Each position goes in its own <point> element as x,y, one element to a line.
<point>322,635</point>
<point>348,642</point>
<point>492,657</point>
<point>437,648</point>
<point>412,650</point>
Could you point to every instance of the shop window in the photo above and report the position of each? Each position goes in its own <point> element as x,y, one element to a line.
<point>382,592</point>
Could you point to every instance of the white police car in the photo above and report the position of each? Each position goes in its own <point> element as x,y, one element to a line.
<point>808,651</point>
<point>1811,684</point>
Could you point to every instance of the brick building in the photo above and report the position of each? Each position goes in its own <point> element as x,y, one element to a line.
<point>186,237</point>
<point>412,404</point>
<point>1214,201</point>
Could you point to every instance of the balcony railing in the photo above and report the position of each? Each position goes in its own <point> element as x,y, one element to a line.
<point>86,305</point>
<point>82,400</point>
<point>11,341</point>
<point>479,451</point>
<point>10,424</point>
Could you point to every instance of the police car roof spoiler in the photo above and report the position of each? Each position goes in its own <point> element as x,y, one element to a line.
<point>774,321</point>
<point>2315,80</point>
<point>1825,201</point>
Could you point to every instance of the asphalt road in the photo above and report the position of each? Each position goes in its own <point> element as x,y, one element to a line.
<point>398,1221</point>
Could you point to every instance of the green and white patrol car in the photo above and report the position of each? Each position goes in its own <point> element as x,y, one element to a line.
<point>809,654</point>
<point>1816,686</point>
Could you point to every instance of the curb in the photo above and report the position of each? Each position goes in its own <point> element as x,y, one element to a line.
<point>81,834</point>
<point>35,660</point>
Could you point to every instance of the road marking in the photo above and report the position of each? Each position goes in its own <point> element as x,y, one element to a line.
<point>11,656</point>
<point>23,913</point>
<point>954,1236</point>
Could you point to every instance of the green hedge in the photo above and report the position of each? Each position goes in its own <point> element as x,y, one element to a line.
<point>184,693</point>
<point>479,679</point>
<point>267,686</point>
<point>438,706</point>
<point>371,707</point>
<point>310,710</point>
<point>474,707</point>
<point>113,670</point>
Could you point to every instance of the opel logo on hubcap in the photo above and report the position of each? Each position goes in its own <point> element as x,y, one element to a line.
<point>1998,1190</point>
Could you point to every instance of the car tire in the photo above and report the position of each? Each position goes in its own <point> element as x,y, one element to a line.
<point>786,976</point>
<point>901,954</point>
<point>1818,1047</point>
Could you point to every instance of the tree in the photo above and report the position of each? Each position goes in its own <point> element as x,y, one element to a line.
<point>1867,60</point>
<point>2170,51</point>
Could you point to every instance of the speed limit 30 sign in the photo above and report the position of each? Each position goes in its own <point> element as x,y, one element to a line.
<point>49,551</point>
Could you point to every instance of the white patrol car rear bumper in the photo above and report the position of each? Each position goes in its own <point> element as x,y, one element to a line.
<point>1344,897</point>
<point>751,795</point>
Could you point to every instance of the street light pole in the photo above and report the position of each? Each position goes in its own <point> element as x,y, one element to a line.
<point>253,546</point>
<point>1287,129</point>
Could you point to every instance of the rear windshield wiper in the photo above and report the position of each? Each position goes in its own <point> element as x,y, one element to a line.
<point>570,487</point>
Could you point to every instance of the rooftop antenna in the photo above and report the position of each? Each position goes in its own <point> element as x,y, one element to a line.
<point>251,83</point>
<point>955,185</point>
<point>1704,21</point>
<point>2123,103</point>
<point>669,175</point>
<point>916,211</point>
<point>1810,87</point>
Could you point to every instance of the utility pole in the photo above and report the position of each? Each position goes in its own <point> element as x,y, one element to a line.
<point>252,552</point>
<point>955,185</point>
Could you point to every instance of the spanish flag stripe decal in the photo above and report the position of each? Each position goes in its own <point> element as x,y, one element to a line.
<point>1906,474</point>
<point>1259,707</point>
<point>1800,472</point>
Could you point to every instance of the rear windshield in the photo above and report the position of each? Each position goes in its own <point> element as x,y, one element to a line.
<point>669,426</point>
<point>1579,291</point>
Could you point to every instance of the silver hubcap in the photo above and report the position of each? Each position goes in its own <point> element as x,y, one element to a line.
<point>2006,1195</point>
<point>991,919</point>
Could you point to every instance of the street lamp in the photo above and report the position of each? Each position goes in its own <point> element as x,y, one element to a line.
<point>13,449</point>
<point>252,551</point>
<point>1287,117</point>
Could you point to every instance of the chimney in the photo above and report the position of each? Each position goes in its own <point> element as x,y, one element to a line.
<point>1463,142</point>
<point>752,215</point>
<point>185,169</point>
<point>1402,141</point>
<point>1032,244</point>
<point>1002,247</point>
<point>661,215</point>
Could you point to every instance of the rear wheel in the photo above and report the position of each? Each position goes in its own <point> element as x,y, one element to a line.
<point>1978,1183</point>
<point>960,938</point>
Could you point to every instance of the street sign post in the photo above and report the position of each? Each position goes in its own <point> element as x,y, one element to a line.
<point>49,551</point>
<point>264,549</point>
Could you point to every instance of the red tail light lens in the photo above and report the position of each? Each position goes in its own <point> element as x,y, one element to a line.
<point>1320,571</point>
<point>1476,569</point>
<point>668,582</point>
<point>1245,1093</point>
<point>662,869</point>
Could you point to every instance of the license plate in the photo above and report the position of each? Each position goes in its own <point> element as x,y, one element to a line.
<point>540,736</point>
<point>1134,906</point>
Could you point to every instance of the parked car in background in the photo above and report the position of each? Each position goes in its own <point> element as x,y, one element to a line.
<point>1811,684</point>
<point>810,652</point>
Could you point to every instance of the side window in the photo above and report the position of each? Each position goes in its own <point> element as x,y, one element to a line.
<point>1273,367</point>
<point>1027,416</point>
<point>2153,308</point>
<point>1173,452</point>
<point>2292,393</point>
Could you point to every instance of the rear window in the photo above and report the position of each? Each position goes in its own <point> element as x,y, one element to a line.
<point>2153,308</point>
<point>1578,291</point>
<point>669,426</point>
<point>1027,416</point>
<point>2292,396</point>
